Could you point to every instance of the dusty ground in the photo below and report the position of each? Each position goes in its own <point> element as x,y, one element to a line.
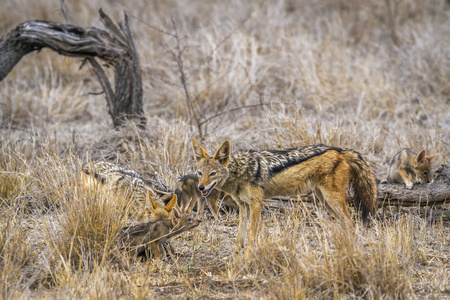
<point>267,74</point>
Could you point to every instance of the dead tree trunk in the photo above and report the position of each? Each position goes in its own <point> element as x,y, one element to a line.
<point>115,46</point>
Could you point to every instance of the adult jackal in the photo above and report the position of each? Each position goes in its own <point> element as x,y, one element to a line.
<point>249,177</point>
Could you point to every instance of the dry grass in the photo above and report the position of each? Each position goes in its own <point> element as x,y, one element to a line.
<point>368,75</point>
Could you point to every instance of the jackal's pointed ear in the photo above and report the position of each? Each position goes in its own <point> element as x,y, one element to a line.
<point>176,214</point>
<point>169,206</point>
<point>199,151</point>
<point>223,153</point>
<point>152,201</point>
<point>421,156</point>
<point>431,157</point>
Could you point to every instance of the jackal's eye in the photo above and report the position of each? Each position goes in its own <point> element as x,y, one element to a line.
<point>189,219</point>
<point>199,173</point>
<point>213,173</point>
<point>425,173</point>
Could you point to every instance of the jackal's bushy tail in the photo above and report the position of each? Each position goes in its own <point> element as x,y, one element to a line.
<point>364,185</point>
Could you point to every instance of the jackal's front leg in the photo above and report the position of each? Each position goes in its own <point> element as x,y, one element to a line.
<point>156,250</point>
<point>213,204</point>
<point>242,229</point>
<point>405,177</point>
<point>416,178</point>
<point>255,219</point>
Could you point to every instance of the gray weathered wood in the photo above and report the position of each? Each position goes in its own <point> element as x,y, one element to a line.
<point>114,46</point>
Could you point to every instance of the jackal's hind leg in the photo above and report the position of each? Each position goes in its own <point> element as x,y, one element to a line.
<point>335,203</point>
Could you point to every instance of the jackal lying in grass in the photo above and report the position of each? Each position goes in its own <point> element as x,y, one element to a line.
<point>188,195</point>
<point>409,167</point>
<point>128,183</point>
<point>153,235</point>
<point>249,177</point>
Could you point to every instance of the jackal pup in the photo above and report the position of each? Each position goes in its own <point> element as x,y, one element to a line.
<point>154,234</point>
<point>409,167</point>
<point>249,177</point>
<point>188,195</point>
<point>128,183</point>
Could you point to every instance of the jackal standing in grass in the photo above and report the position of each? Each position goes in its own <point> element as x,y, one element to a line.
<point>153,235</point>
<point>410,167</point>
<point>249,177</point>
<point>188,195</point>
<point>128,183</point>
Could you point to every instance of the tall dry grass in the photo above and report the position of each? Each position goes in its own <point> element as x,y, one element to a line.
<point>372,76</point>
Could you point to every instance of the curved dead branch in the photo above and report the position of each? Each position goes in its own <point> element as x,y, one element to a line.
<point>114,45</point>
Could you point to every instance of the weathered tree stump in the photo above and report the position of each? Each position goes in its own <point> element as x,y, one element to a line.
<point>115,46</point>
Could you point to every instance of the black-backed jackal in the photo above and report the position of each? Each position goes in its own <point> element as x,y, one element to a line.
<point>129,184</point>
<point>153,235</point>
<point>249,177</point>
<point>188,195</point>
<point>410,167</point>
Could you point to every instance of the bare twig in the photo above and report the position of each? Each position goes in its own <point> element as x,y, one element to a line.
<point>153,26</point>
<point>104,82</point>
<point>231,110</point>
<point>64,11</point>
<point>226,38</point>
<point>178,56</point>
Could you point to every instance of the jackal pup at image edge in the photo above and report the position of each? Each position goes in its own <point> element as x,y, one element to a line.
<point>127,183</point>
<point>152,235</point>
<point>409,167</point>
<point>249,177</point>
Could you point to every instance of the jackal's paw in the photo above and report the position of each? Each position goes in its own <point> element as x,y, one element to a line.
<point>384,181</point>
<point>409,186</point>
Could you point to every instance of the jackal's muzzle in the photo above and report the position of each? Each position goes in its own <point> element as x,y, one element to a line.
<point>206,190</point>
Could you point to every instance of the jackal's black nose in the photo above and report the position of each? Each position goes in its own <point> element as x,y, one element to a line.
<point>201,187</point>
